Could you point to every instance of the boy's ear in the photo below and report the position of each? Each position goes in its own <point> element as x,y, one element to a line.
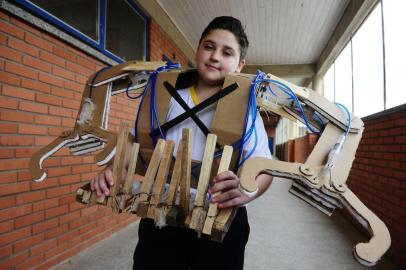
<point>241,64</point>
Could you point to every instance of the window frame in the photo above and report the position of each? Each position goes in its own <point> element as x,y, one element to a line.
<point>99,44</point>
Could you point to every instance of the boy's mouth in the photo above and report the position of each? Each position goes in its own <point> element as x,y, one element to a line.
<point>212,67</point>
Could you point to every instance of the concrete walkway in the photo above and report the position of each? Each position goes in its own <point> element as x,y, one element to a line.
<point>286,233</point>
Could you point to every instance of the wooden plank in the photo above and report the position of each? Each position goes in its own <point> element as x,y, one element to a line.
<point>170,212</point>
<point>131,168</point>
<point>141,203</point>
<point>161,178</point>
<point>222,223</point>
<point>199,213</point>
<point>186,170</point>
<point>118,164</point>
<point>213,210</point>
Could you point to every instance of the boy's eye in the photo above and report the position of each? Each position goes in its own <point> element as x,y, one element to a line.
<point>228,53</point>
<point>208,46</point>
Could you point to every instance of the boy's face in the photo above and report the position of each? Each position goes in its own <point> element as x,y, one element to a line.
<point>217,55</point>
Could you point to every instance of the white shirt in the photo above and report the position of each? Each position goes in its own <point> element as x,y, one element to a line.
<point>206,116</point>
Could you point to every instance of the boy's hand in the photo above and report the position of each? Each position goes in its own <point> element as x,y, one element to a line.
<point>102,182</point>
<point>226,184</point>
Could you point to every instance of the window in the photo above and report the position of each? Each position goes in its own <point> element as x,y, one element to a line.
<point>86,14</point>
<point>372,63</point>
<point>117,28</point>
<point>395,53</point>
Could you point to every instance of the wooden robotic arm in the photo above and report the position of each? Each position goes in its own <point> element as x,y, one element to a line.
<point>322,178</point>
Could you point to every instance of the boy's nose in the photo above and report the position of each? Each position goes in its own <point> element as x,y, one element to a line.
<point>215,55</point>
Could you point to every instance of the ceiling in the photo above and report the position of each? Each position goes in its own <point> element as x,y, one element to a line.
<point>294,39</point>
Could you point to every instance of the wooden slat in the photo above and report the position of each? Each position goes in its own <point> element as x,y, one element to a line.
<point>212,212</point>
<point>198,213</point>
<point>161,177</point>
<point>118,164</point>
<point>141,203</point>
<point>131,168</point>
<point>186,169</point>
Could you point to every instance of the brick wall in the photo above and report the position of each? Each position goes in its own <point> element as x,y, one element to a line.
<point>42,79</point>
<point>378,175</point>
<point>160,44</point>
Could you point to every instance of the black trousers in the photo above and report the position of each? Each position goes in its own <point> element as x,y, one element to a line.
<point>181,249</point>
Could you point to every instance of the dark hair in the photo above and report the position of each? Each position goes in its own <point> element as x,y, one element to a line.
<point>234,26</point>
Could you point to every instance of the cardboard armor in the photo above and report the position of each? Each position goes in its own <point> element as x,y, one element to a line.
<point>317,181</point>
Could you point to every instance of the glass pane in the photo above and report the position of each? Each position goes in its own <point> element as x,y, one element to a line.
<point>125,34</point>
<point>80,14</point>
<point>329,83</point>
<point>395,53</point>
<point>368,66</point>
<point>343,78</point>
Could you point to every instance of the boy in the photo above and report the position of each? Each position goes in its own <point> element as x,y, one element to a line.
<point>222,49</point>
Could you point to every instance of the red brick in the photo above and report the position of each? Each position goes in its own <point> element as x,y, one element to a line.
<point>7,177</point>
<point>45,204</point>
<point>7,153</point>
<point>30,262</point>
<point>61,92</point>
<point>54,232</point>
<point>18,92</point>
<point>50,79</point>
<point>13,188</point>
<point>30,197</point>
<point>69,217</point>
<point>8,103</point>
<point>6,251</point>
<point>6,226</point>
<point>47,120</point>
<point>13,260</point>
<point>38,42</point>
<point>54,40</point>
<point>32,129</point>
<point>74,86</point>
<point>78,69</point>
<point>33,107</point>
<point>36,63</point>
<point>48,99</point>
<point>71,104</point>
<point>60,111</point>
<point>62,72</point>
<point>400,139</point>
<point>67,199</point>
<point>44,226</point>
<point>25,26</point>
<point>17,116</point>
<point>29,219</point>
<point>41,141</point>
<point>65,54</point>
<point>86,63</point>
<point>12,140</point>
<point>79,222</point>
<point>12,30</point>
<point>21,70</point>
<point>57,211</point>
<point>53,59</point>
<point>23,47</point>
<point>69,179</point>
<point>58,171</point>
<point>43,247</point>
<point>15,235</point>
<point>68,122</point>
<point>71,160</point>
<point>56,131</point>
<point>35,85</point>
<point>58,191</point>
<point>10,54</point>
